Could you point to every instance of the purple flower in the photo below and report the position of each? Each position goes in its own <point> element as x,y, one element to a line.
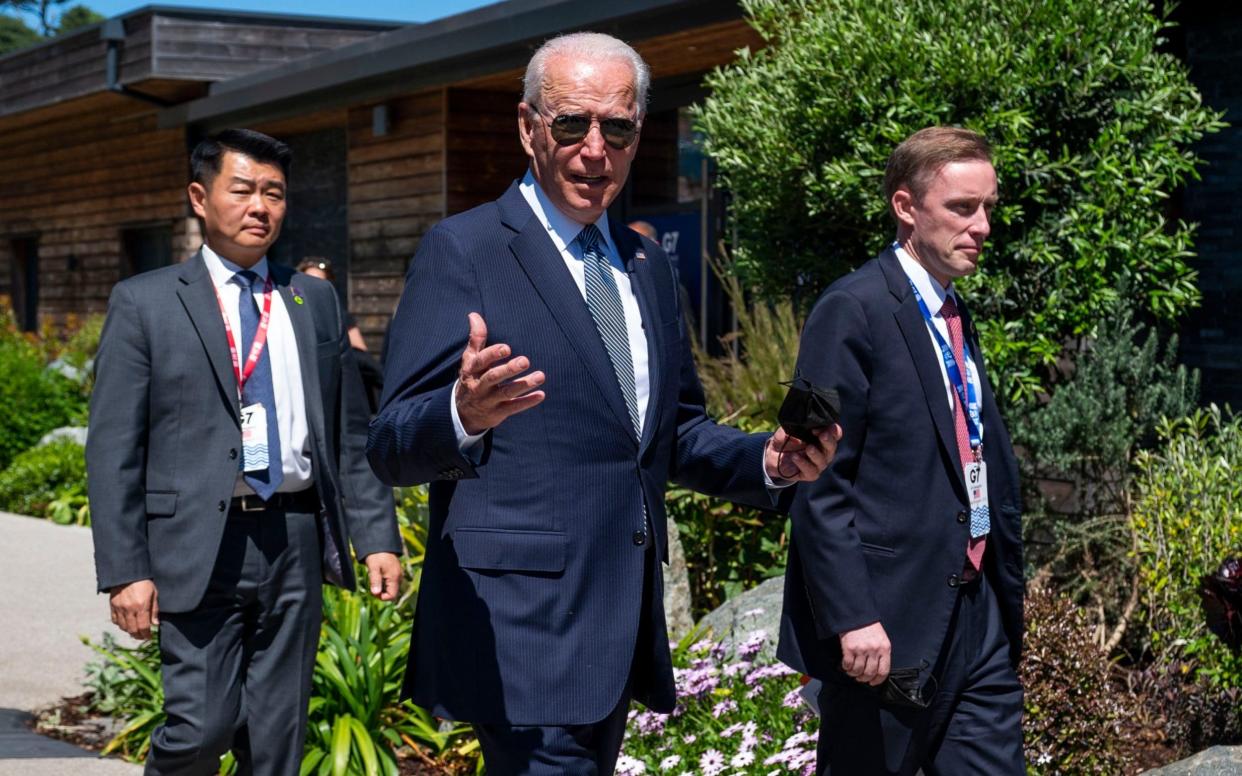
<point>792,699</point>
<point>670,762</point>
<point>751,646</point>
<point>711,763</point>
<point>742,759</point>
<point>740,667</point>
<point>724,707</point>
<point>628,766</point>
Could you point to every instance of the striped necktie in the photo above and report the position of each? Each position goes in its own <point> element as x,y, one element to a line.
<point>604,301</point>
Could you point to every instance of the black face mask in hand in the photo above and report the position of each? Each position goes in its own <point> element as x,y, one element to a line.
<point>903,689</point>
<point>808,408</point>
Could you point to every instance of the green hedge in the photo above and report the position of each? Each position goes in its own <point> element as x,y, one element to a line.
<point>47,481</point>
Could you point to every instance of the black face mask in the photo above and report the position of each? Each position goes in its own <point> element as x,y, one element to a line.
<point>903,689</point>
<point>807,408</point>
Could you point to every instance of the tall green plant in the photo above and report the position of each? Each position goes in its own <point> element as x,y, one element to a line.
<point>1188,518</point>
<point>1080,445</point>
<point>1092,126</point>
<point>731,548</point>
<point>35,398</point>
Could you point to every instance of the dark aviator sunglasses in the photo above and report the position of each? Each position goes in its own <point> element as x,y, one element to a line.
<point>570,128</point>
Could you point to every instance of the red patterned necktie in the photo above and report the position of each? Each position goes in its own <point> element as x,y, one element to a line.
<point>976,546</point>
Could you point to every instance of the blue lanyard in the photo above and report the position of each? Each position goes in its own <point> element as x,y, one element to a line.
<point>964,390</point>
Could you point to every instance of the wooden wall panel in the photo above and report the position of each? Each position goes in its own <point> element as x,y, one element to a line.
<point>78,182</point>
<point>396,193</point>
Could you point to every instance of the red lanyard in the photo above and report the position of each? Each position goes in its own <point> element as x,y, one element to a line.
<point>260,336</point>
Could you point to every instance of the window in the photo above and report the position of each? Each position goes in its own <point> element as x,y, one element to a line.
<point>146,248</point>
<point>25,282</point>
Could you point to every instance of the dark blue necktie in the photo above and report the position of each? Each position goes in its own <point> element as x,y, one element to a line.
<point>258,388</point>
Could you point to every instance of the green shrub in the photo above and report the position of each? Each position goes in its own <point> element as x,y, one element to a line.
<point>1188,517</point>
<point>1085,437</point>
<point>1078,719</point>
<point>1092,123</point>
<point>44,478</point>
<point>731,548</point>
<point>35,399</point>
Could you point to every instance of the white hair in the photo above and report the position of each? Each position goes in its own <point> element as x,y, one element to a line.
<point>589,46</point>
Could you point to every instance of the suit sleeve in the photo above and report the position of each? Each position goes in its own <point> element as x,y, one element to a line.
<point>369,510</point>
<point>116,445</point>
<point>412,439</point>
<point>713,459</point>
<point>836,353</point>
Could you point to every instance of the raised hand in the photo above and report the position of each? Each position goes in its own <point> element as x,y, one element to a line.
<point>489,387</point>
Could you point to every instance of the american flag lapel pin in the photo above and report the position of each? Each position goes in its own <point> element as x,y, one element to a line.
<point>640,255</point>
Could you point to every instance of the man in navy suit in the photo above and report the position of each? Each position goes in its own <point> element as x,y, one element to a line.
<point>540,614</point>
<point>906,556</point>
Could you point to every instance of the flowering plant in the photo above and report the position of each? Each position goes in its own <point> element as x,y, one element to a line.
<point>737,713</point>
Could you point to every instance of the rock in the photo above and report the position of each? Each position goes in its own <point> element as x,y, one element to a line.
<point>758,609</point>
<point>1217,761</point>
<point>75,433</point>
<point>676,588</point>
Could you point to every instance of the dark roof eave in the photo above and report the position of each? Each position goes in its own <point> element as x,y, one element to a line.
<point>468,45</point>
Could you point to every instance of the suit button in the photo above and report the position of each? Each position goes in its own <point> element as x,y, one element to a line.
<point>221,506</point>
<point>640,538</point>
<point>954,581</point>
<point>233,454</point>
<point>963,516</point>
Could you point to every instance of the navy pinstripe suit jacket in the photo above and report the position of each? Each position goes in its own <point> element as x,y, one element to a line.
<point>532,589</point>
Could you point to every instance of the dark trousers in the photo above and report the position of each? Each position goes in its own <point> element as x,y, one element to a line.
<point>571,750</point>
<point>973,725</point>
<point>237,669</point>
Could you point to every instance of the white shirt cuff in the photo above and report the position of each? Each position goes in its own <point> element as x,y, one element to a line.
<point>466,443</point>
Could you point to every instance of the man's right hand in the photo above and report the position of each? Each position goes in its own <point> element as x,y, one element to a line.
<point>865,654</point>
<point>135,608</point>
<point>489,391</point>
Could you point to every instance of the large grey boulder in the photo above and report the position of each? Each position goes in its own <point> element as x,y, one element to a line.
<point>73,433</point>
<point>1217,761</point>
<point>677,614</point>
<point>743,616</point>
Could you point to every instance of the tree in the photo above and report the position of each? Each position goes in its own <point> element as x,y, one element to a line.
<point>43,9</point>
<point>1091,123</point>
<point>77,17</point>
<point>14,34</point>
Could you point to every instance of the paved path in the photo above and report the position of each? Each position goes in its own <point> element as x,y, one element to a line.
<point>49,601</point>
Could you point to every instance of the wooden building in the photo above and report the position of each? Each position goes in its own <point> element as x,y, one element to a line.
<point>397,126</point>
<point>392,128</point>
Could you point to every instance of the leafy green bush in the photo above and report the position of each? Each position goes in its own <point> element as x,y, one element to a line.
<point>731,548</point>
<point>1091,122</point>
<point>1188,518</point>
<point>734,714</point>
<point>1078,720</point>
<point>1084,438</point>
<point>44,478</point>
<point>35,399</point>
<point>125,684</point>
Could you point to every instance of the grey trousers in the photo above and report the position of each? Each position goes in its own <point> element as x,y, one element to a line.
<point>237,669</point>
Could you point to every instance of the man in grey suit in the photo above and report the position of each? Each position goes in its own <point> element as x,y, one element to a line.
<point>226,462</point>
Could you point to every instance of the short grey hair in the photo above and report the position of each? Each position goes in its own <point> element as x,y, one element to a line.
<point>590,46</point>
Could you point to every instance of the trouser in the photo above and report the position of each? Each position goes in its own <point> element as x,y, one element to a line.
<point>572,750</point>
<point>972,726</point>
<point>237,668</point>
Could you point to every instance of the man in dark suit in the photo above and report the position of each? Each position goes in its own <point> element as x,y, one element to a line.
<point>540,614</point>
<point>226,461</point>
<point>906,556</point>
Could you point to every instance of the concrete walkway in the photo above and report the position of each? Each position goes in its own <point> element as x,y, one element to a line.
<point>49,601</point>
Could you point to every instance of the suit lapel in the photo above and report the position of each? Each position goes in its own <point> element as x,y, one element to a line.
<point>198,296</point>
<point>628,246</point>
<point>918,341</point>
<point>303,322</point>
<point>543,264</point>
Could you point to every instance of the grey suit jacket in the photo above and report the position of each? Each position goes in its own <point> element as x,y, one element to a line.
<point>162,452</point>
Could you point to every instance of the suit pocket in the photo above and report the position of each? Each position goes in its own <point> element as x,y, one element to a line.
<point>161,503</point>
<point>878,549</point>
<point>487,549</point>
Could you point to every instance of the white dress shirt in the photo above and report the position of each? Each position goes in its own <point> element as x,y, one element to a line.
<point>934,295</point>
<point>282,349</point>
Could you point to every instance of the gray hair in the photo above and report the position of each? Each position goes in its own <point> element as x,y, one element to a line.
<point>590,46</point>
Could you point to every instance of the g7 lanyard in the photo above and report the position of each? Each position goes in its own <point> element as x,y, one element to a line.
<point>260,336</point>
<point>963,390</point>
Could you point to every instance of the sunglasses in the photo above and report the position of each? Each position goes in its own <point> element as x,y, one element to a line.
<point>568,129</point>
